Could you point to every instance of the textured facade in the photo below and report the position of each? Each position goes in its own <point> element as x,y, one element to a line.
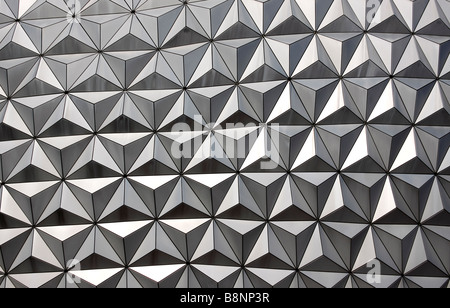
<point>224,143</point>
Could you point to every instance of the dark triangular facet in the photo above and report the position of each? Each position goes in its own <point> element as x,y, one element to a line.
<point>291,214</point>
<point>316,71</point>
<point>342,24</point>
<point>269,261</point>
<point>32,174</point>
<point>155,81</point>
<point>342,116</point>
<point>391,25</point>
<point>8,133</point>
<point>438,27</point>
<point>14,51</point>
<point>396,217</point>
<point>125,213</point>
<point>70,45</point>
<point>439,118</point>
<point>415,166</point>
<point>391,116</point>
<point>440,219</point>
<point>240,117</point>
<point>210,166</point>
<point>366,165</point>
<point>184,211</point>
<point>153,167</point>
<point>264,73</point>
<point>155,258</point>
<point>291,118</point>
<point>64,128</point>
<point>34,265</point>
<point>345,214</point>
<point>237,31</point>
<point>426,270</point>
<point>323,264</point>
<point>62,218</point>
<point>212,79</point>
<point>8,222</point>
<point>418,70</point>
<point>96,84</point>
<point>129,43</point>
<point>96,261</point>
<point>216,258</point>
<point>239,212</point>
<point>124,124</point>
<point>187,36</point>
<point>368,69</point>
<point>36,88</point>
<point>315,164</point>
<point>93,170</point>
<point>290,26</point>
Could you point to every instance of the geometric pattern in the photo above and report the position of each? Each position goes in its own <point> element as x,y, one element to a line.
<point>352,96</point>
